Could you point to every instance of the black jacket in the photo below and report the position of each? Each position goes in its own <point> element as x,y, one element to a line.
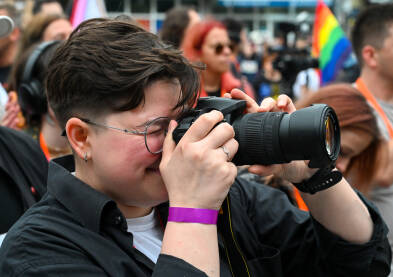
<point>23,173</point>
<point>77,231</point>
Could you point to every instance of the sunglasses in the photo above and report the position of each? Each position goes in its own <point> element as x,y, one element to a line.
<point>219,47</point>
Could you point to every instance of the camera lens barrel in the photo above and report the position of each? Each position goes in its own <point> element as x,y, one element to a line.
<point>311,134</point>
<point>257,134</point>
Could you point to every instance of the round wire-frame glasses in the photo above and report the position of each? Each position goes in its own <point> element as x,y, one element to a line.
<point>154,133</point>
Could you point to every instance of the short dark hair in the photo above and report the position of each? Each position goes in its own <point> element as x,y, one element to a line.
<point>174,26</point>
<point>371,27</point>
<point>106,65</point>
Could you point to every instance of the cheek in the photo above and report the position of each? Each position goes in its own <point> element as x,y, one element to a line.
<point>135,152</point>
<point>125,153</point>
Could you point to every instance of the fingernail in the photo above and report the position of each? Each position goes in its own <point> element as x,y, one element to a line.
<point>172,124</point>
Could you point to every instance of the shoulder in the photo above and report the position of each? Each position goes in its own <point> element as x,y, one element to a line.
<point>20,143</point>
<point>41,237</point>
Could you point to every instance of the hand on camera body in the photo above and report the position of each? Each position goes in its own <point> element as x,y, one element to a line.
<point>295,171</point>
<point>197,171</point>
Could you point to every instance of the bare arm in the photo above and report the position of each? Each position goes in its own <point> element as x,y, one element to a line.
<point>338,208</point>
<point>342,212</point>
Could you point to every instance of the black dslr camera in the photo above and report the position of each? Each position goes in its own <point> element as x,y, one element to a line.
<point>268,138</point>
<point>291,61</point>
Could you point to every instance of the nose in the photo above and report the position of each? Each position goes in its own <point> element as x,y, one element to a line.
<point>227,50</point>
<point>342,164</point>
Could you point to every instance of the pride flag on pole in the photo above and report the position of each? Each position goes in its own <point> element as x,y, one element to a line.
<point>86,9</point>
<point>330,44</point>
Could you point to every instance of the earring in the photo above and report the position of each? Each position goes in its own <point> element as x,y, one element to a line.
<point>85,157</point>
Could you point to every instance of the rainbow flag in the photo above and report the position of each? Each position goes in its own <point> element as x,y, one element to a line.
<point>86,9</point>
<point>330,44</point>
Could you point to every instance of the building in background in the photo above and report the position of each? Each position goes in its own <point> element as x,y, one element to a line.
<point>256,14</point>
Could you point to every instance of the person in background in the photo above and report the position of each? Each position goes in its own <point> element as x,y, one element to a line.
<point>245,62</point>
<point>362,146</point>
<point>23,166</point>
<point>28,77</point>
<point>47,7</point>
<point>268,80</point>
<point>44,27</point>
<point>208,42</point>
<point>176,23</point>
<point>308,80</point>
<point>372,41</point>
<point>9,44</point>
<point>9,107</point>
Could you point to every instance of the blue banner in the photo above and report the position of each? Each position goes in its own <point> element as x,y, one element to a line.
<point>270,3</point>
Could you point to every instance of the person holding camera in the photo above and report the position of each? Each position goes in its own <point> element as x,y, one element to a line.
<point>132,202</point>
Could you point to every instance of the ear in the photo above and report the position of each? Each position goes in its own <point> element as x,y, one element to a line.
<point>78,136</point>
<point>15,34</point>
<point>369,55</point>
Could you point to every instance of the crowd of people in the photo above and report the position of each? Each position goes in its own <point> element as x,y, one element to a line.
<point>92,182</point>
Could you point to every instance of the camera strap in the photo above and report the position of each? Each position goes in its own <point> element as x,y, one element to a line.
<point>236,260</point>
<point>323,179</point>
<point>361,86</point>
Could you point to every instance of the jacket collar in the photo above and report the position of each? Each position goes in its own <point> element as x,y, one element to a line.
<point>86,203</point>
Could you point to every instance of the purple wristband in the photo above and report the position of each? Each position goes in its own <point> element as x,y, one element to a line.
<point>191,215</point>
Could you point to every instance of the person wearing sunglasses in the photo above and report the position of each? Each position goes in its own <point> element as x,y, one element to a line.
<point>132,202</point>
<point>208,42</point>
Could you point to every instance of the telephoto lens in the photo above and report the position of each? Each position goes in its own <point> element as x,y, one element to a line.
<point>269,138</point>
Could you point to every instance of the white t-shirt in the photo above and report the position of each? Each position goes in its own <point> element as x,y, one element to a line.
<point>309,78</point>
<point>147,234</point>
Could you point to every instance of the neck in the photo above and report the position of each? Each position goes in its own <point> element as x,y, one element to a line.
<point>133,212</point>
<point>380,87</point>
<point>52,133</point>
<point>211,80</point>
<point>8,55</point>
<point>85,174</point>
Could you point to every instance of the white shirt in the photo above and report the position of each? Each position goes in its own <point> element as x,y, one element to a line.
<point>309,78</point>
<point>147,234</point>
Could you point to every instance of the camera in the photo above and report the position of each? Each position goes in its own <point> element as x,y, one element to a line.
<point>269,138</point>
<point>291,61</point>
<point>290,65</point>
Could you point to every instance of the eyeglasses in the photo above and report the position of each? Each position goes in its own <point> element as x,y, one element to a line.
<point>219,47</point>
<point>154,133</point>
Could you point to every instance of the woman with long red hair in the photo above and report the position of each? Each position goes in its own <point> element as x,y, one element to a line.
<point>360,155</point>
<point>208,42</point>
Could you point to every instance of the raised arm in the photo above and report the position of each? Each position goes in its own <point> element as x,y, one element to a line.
<point>198,174</point>
<point>338,208</point>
